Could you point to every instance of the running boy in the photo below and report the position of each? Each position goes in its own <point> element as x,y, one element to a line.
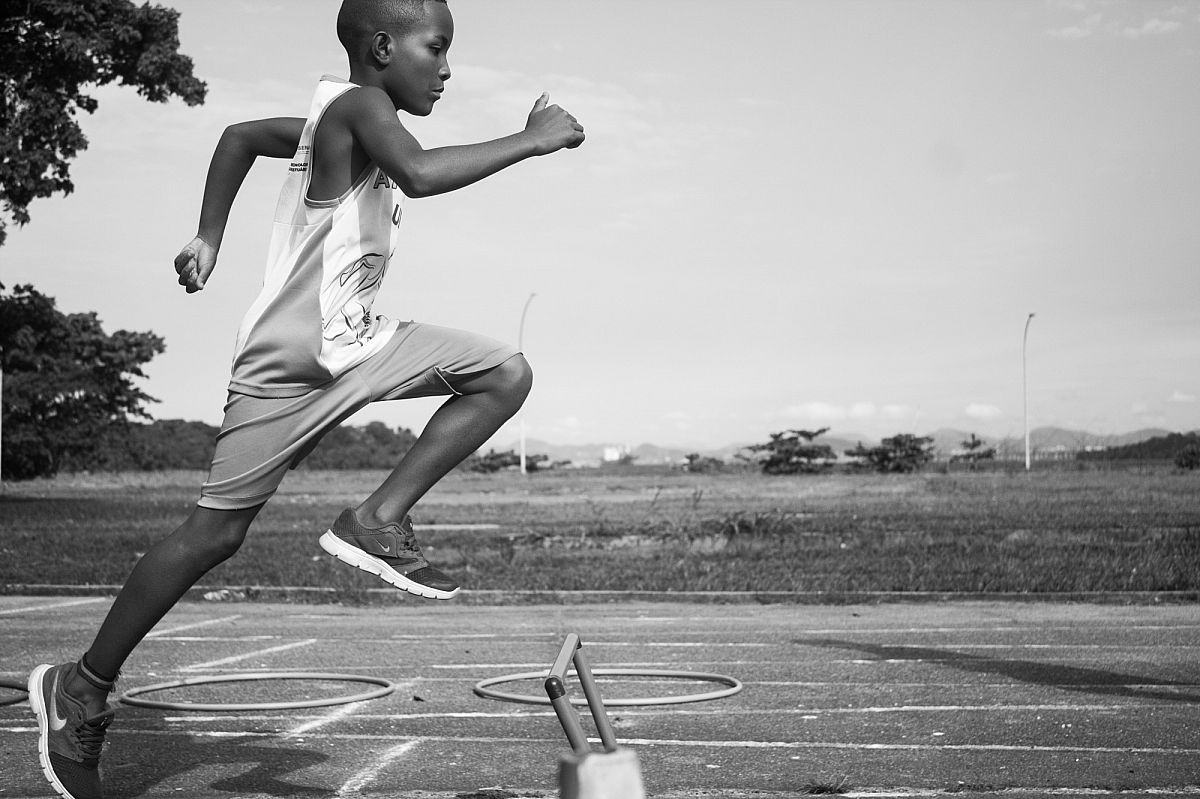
<point>310,352</point>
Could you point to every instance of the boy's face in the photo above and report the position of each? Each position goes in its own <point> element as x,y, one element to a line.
<point>418,70</point>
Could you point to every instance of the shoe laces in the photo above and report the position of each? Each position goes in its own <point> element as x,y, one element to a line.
<point>408,538</point>
<point>89,735</point>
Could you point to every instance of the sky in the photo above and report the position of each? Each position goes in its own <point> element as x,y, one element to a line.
<point>787,213</point>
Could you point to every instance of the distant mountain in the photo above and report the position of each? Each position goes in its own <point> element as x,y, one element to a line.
<point>946,439</point>
<point>1050,437</point>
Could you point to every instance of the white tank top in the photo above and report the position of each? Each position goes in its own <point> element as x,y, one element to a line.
<point>313,320</point>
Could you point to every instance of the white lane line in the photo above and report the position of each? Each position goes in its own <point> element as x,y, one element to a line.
<point>726,744</point>
<point>365,777</point>
<point>218,638</point>
<point>337,714</point>
<point>1112,750</point>
<point>388,717</point>
<point>892,793</point>
<point>52,606</point>
<point>191,626</point>
<point>677,712</point>
<point>990,630</point>
<point>248,655</point>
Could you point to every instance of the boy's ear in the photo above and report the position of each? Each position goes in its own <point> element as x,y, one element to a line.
<point>381,47</point>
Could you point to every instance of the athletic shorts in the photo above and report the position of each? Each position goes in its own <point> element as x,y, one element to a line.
<point>262,438</point>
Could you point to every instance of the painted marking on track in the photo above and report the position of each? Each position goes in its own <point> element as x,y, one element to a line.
<point>333,736</point>
<point>705,644</point>
<point>677,712</point>
<point>365,777</point>
<point>257,653</point>
<point>1029,628</point>
<point>218,638</point>
<point>337,714</point>
<point>727,744</point>
<point>886,793</point>
<point>51,606</point>
<point>191,626</point>
<point>388,717</point>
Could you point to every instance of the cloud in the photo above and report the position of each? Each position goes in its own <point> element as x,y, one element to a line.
<point>1089,26</point>
<point>979,410</point>
<point>1111,22</point>
<point>1151,27</point>
<point>819,411</point>
<point>1180,396</point>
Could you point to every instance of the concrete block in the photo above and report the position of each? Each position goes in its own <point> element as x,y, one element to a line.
<point>600,775</point>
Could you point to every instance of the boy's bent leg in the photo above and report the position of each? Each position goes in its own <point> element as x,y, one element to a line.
<point>71,700</point>
<point>377,536</point>
<point>456,430</point>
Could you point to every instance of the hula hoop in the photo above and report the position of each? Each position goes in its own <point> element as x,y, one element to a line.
<point>482,688</point>
<point>16,686</point>
<point>130,697</point>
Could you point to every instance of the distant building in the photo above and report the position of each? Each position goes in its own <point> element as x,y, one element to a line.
<point>613,454</point>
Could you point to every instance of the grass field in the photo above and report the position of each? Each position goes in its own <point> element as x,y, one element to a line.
<point>1049,531</point>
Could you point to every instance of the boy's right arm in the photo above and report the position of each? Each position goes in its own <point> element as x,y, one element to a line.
<point>371,119</point>
<point>235,153</point>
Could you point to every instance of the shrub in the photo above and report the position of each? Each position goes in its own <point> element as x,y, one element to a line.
<point>1188,457</point>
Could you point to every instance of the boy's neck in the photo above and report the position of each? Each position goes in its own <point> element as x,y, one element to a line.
<point>366,76</point>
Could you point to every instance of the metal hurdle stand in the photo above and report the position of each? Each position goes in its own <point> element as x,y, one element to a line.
<point>584,774</point>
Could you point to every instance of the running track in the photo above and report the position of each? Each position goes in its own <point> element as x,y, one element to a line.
<point>962,699</point>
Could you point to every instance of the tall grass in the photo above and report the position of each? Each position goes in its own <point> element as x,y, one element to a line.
<point>1059,531</point>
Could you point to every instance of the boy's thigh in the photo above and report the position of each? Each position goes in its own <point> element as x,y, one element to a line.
<point>427,361</point>
<point>261,438</point>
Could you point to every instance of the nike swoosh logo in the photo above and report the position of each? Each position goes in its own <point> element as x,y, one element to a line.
<point>57,722</point>
<point>385,549</point>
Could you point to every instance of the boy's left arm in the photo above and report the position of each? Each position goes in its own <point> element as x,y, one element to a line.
<point>235,153</point>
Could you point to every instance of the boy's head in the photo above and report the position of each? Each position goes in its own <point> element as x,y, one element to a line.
<point>359,20</point>
<point>399,46</point>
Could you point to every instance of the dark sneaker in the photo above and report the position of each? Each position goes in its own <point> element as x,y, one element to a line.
<point>390,552</point>
<point>69,741</point>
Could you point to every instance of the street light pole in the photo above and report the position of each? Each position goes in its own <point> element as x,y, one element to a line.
<point>1025,385</point>
<point>521,347</point>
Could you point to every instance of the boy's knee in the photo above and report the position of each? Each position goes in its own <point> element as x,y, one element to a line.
<point>521,374</point>
<point>517,378</point>
<point>215,535</point>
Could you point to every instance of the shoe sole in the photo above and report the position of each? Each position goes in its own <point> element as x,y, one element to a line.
<point>353,556</point>
<point>36,701</point>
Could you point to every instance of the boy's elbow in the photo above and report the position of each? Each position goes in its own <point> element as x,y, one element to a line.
<point>234,137</point>
<point>415,184</point>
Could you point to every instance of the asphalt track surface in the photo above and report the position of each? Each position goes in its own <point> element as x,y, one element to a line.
<point>963,699</point>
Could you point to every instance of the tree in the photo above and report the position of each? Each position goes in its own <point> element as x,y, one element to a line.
<point>1188,457</point>
<point>793,452</point>
<point>903,452</point>
<point>702,464</point>
<point>973,452</point>
<point>493,461</point>
<point>50,50</point>
<point>374,446</point>
<point>66,382</point>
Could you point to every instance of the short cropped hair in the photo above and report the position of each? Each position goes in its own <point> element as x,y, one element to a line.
<point>359,19</point>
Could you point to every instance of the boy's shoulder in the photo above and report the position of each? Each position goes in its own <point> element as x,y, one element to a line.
<point>359,100</point>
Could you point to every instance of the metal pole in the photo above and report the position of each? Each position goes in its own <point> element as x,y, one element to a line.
<point>521,347</point>
<point>1025,386</point>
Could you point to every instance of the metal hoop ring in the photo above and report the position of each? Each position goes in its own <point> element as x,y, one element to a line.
<point>130,697</point>
<point>16,686</point>
<point>732,687</point>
